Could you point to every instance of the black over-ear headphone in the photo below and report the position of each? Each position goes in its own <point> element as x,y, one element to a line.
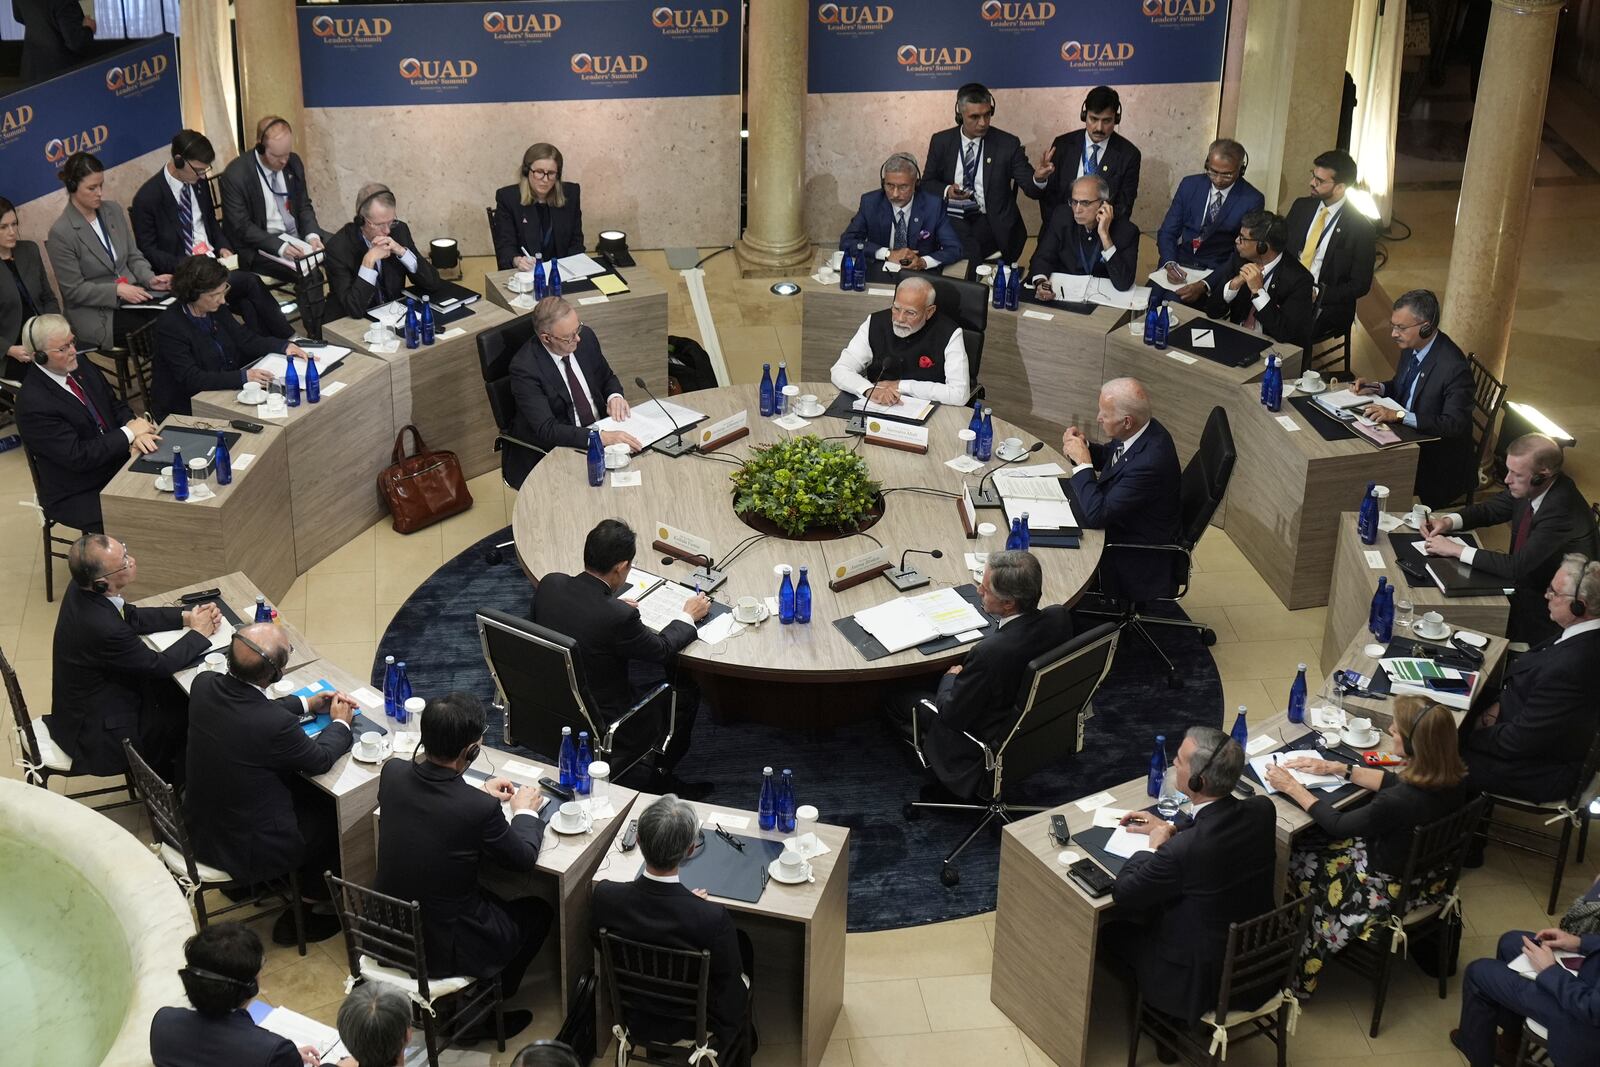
<point>1116,103</point>
<point>369,198</point>
<point>988,98</point>
<point>32,345</point>
<point>277,668</point>
<point>1575,603</point>
<point>1197,779</point>
<point>1244,164</point>
<point>1405,737</point>
<point>247,990</point>
<point>916,169</point>
<point>266,128</point>
<point>1425,329</point>
<point>1539,478</point>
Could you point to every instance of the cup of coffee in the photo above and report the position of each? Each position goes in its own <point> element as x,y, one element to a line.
<point>793,865</point>
<point>369,745</point>
<point>747,609</point>
<point>616,456</point>
<point>569,816</point>
<point>1010,447</point>
<point>216,661</point>
<point>254,393</point>
<point>810,407</point>
<point>1419,515</point>
<point>1432,623</point>
<point>1310,382</point>
<point>1359,728</point>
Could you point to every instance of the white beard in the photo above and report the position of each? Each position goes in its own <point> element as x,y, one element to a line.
<point>902,331</point>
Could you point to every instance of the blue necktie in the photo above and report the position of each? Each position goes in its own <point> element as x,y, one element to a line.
<point>1094,161</point>
<point>969,167</point>
<point>900,228</point>
<point>186,220</point>
<point>1212,209</point>
<point>1415,378</point>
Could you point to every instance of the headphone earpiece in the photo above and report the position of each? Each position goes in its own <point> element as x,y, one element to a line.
<point>1244,164</point>
<point>247,990</point>
<point>1578,607</point>
<point>369,198</point>
<point>1425,330</point>
<point>1197,780</point>
<point>1540,478</point>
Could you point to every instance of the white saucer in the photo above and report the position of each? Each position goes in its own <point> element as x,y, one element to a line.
<point>163,485</point>
<point>813,413</point>
<point>999,454</point>
<point>1409,520</point>
<point>1441,634</point>
<point>762,616</point>
<point>1349,738</point>
<point>555,825</point>
<point>775,870</point>
<point>1373,650</point>
<point>1322,388</point>
<point>240,398</point>
<point>385,750</point>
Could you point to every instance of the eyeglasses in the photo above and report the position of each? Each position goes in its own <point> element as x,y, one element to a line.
<point>70,345</point>
<point>545,175</point>
<point>1087,203</point>
<point>1552,593</point>
<point>1242,238</point>
<point>899,311</point>
<point>202,169</point>
<point>1402,327</point>
<point>385,227</point>
<point>568,339</point>
<point>1319,181</point>
<point>1221,173</point>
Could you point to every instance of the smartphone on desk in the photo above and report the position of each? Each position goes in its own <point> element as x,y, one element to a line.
<point>1448,685</point>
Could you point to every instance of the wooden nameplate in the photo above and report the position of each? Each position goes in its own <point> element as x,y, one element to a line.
<point>676,552</point>
<point>858,578</point>
<point>904,446</point>
<point>712,446</point>
<point>967,524</point>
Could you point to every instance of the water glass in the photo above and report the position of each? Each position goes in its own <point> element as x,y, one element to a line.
<point>1403,613</point>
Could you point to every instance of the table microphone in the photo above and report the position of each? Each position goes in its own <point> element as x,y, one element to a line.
<point>906,580</point>
<point>706,576</point>
<point>677,446</point>
<point>990,497</point>
<point>857,423</point>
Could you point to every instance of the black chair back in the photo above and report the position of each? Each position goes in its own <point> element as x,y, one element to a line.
<point>20,718</point>
<point>496,346</point>
<point>488,214</point>
<point>538,678</point>
<point>1437,850</point>
<point>664,983</point>
<point>967,303</point>
<point>1056,688</point>
<point>385,929</point>
<point>1488,394</point>
<point>1263,954</point>
<point>141,345</point>
<point>161,805</point>
<point>1206,477</point>
<point>214,186</point>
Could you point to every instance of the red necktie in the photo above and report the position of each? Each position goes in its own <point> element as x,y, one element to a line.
<point>77,391</point>
<point>1524,527</point>
<point>580,403</point>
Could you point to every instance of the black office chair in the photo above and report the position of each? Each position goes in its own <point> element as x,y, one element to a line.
<point>42,758</point>
<point>529,663</point>
<point>1205,482</point>
<point>1572,811</point>
<point>141,360</point>
<point>1333,357</point>
<point>667,983</point>
<point>967,303</point>
<point>496,346</point>
<point>1056,692</point>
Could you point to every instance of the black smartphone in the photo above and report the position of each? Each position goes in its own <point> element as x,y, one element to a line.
<point>1448,685</point>
<point>556,789</point>
<point>247,427</point>
<point>630,836</point>
<point>200,595</point>
<point>1058,829</point>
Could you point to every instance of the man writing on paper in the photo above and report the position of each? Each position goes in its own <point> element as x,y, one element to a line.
<point>1200,227</point>
<point>266,204</point>
<point>907,349</point>
<point>1433,385</point>
<point>979,696</point>
<point>610,635</point>
<point>1135,496</point>
<point>899,223</point>
<point>1088,240</point>
<point>1267,291</point>
<point>1549,519</point>
<point>373,256</point>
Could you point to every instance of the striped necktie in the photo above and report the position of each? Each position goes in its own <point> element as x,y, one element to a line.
<point>186,220</point>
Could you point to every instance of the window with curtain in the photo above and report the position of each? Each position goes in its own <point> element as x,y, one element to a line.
<point>115,20</point>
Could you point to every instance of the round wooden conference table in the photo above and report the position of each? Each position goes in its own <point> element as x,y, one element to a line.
<point>556,508</point>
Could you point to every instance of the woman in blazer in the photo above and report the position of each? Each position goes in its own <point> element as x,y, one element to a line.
<point>24,291</point>
<point>200,345</point>
<point>1353,873</point>
<point>98,264</point>
<point>538,216</point>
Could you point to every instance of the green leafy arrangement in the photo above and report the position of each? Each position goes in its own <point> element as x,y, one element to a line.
<point>804,483</point>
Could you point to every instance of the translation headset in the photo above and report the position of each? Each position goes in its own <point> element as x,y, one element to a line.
<point>900,157</point>
<point>247,989</point>
<point>970,90</point>
<point>266,126</point>
<point>1539,478</point>
<point>361,208</point>
<point>277,668</point>
<point>1405,738</point>
<point>1575,603</point>
<point>186,142</point>
<point>1116,103</point>
<point>1244,164</point>
<point>1197,780</point>
<point>1425,330</point>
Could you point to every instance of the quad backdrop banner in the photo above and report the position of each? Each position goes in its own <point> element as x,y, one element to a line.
<point>411,54</point>
<point>119,108</point>
<point>911,45</point>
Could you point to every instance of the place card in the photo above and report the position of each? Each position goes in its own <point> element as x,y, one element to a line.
<point>1181,357</point>
<point>681,542</point>
<point>1260,744</point>
<point>243,460</point>
<point>1099,800</point>
<point>522,770</point>
<point>724,430</point>
<point>875,291</point>
<point>897,435</point>
<point>1374,560</point>
<point>600,298</point>
<point>1032,314</point>
<point>333,388</point>
<point>368,697</point>
<point>1288,424</point>
<point>727,820</point>
<point>858,569</point>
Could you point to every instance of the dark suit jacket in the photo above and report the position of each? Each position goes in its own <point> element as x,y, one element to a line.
<point>1058,250</point>
<point>1547,719</point>
<point>516,226</point>
<point>1218,871</point>
<point>244,751</point>
<point>1183,223</point>
<point>873,226</point>
<point>1137,501</point>
<point>189,359</point>
<point>182,1037</point>
<point>1347,261</point>
<point>982,699</point>
<point>437,830</point>
<point>544,404</point>
<point>13,312</point>
<point>1385,823</point>
<point>1289,311</point>
<point>1446,468</point>
<point>1562,524</point>
<point>1005,171</point>
<point>104,677</point>
<point>156,226</point>
<point>668,915</point>
<point>54,37</point>
<point>244,206</point>
<point>1119,166</point>
<point>75,458</point>
<point>353,296</point>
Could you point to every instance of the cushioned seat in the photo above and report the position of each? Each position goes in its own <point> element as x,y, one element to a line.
<point>209,875</point>
<point>49,751</point>
<point>438,987</point>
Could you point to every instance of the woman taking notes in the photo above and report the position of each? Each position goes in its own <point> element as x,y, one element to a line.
<point>539,216</point>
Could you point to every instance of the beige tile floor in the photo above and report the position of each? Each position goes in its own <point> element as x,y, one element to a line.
<point>919,996</point>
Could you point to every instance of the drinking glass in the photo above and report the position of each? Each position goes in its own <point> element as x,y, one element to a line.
<point>1403,612</point>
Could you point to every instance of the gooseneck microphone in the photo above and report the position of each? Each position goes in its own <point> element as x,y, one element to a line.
<point>905,580</point>
<point>677,446</point>
<point>989,497</point>
<point>857,423</point>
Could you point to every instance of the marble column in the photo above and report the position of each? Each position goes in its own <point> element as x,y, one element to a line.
<point>1492,214</point>
<point>269,63</point>
<point>774,240</point>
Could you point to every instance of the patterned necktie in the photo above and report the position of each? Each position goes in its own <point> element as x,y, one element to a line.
<point>1116,454</point>
<point>186,220</point>
<point>1094,161</point>
<point>900,228</point>
<point>1212,210</point>
<point>580,403</point>
<point>969,167</point>
<point>284,208</point>
<point>1314,237</point>
<point>83,398</point>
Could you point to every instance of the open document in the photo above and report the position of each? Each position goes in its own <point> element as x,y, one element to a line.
<point>309,261</point>
<point>1043,499</point>
<point>905,622</point>
<point>650,422</point>
<point>1088,289</point>
<point>579,265</point>
<point>277,365</point>
<point>910,407</point>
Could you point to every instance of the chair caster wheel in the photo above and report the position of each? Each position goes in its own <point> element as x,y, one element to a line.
<point>1174,680</point>
<point>1208,637</point>
<point>950,876</point>
<point>910,812</point>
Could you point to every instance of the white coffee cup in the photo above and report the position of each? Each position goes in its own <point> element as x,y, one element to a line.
<point>792,864</point>
<point>747,609</point>
<point>1432,622</point>
<point>1419,514</point>
<point>1358,727</point>
<point>370,744</point>
<point>216,661</point>
<point>617,456</point>
<point>254,393</point>
<point>1010,447</point>
<point>809,406</point>
<point>570,815</point>
<point>1310,381</point>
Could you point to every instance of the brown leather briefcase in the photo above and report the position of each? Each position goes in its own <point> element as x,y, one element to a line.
<point>424,487</point>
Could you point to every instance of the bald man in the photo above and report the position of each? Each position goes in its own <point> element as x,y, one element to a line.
<point>1129,487</point>
<point>907,349</point>
<point>249,808</point>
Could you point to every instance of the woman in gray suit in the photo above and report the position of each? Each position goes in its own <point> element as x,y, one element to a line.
<point>24,291</point>
<point>98,264</point>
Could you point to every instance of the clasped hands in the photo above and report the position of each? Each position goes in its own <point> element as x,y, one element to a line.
<point>338,706</point>
<point>908,258</point>
<point>145,437</point>
<point>1076,446</point>
<point>885,393</point>
<point>1249,276</point>
<point>203,618</point>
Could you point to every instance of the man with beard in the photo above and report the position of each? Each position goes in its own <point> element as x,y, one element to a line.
<point>907,349</point>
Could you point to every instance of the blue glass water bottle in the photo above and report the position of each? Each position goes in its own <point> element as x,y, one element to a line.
<point>1241,729</point>
<point>847,273</point>
<point>1150,312</point>
<point>413,325</point>
<point>1372,607</point>
<point>1025,532</point>
<point>802,597</point>
<point>786,598</point>
<point>180,476</point>
<point>1163,327</point>
<point>1158,767</point>
<point>1014,536</point>
<point>1013,286</point>
<point>767,805</point>
<point>597,459</point>
<point>402,693</point>
<point>1297,697</point>
<point>859,280</point>
<point>1275,384</point>
<point>427,320</point>
<point>1384,631</point>
<point>539,287</point>
<point>985,438</point>
<point>264,613</point>
<point>1367,517</point>
<point>553,282</point>
<point>786,802</point>
<point>390,675</point>
<point>778,385</point>
<point>291,383</point>
<point>975,424</point>
<point>766,389</point>
<point>998,296</point>
<point>223,461</point>
<point>567,759</point>
<point>582,783</point>
<point>313,382</point>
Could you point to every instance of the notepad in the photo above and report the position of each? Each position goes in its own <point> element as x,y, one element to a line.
<point>609,284</point>
<point>277,364</point>
<point>1259,764</point>
<point>1201,337</point>
<point>901,623</point>
<point>1125,843</point>
<point>1043,499</point>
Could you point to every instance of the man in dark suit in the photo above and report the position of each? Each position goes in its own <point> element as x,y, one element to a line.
<point>1204,217</point>
<point>655,908</point>
<point>249,810</point>
<point>373,257</point>
<point>979,696</point>
<point>375,1026</point>
<point>56,36</point>
<point>1530,744</point>
<point>610,636</point>
<point>78,433</point>
<point>1216,870</point>
<point>1097,149</point>
<point>1549,519</point>
<point>1334,241</point>
<point>174,218</point>
<point>1433,384</point>
<point>1566,1003</point>
<point>1278,302</point>
<point>901,222</point>
<point>1136,495</point>
<point>562,383</point>
<point>977,169</point>
<point>438,829</point>
<point>223,962</point>
<point>1089,238</point>
<point>107,684</point>
<point>266,204</point>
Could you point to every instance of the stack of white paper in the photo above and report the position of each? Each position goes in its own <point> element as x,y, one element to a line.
<point>579,265</point>
<point>303,1031</point>
<point>910,407</point>
<point>277,365</point>
<point>1311,781</point>
<point>906,621</point>
<point>639,583</point>
<point>165,639</point>
<point>1088,289</point>
<point>1125,843</point>
<point>663,604</point>
<point>1042,498</point>
<point>649,421</point>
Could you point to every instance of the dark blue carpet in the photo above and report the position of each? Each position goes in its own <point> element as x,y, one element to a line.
<point>857,777</point>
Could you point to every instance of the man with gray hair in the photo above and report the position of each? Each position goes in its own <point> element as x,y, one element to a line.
<point>909,349</point>
<point>373,257</point>
<point>1216,868</point>
<point>1131,487</point>
<point>1087,240</point>
<point>1203,220</point>
<point>375,1025</point>
<point>900,224</point>
<point>657,909</point>
<point>979,695</point>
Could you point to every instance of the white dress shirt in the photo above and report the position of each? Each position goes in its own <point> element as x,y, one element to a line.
<point>1333,210</point>
<point>275,225</point>
<point>1263,298</point>
<point>644,872</point>
<point>407,258</point>
<point>583,383</point>
<point>1578,628</point>
<point>1469,553</point>
<point>856,357</point>
<point>957,175</point>
<point>61,380</point>
<point>181,192</point>
<point>1126,445</point>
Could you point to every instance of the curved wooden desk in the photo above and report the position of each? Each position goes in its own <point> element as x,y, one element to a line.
<point>556,508</point>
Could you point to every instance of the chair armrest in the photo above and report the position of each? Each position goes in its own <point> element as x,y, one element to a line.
<point>1156,548</point>
<point>508,439</point>
<point>639,705</point>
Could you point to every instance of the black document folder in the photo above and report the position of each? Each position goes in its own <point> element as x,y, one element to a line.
<point>723,869</point>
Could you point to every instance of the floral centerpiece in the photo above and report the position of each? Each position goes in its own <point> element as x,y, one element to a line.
<point>805,484</point>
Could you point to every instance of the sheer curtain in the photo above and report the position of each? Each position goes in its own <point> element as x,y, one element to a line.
<point>115,19</point>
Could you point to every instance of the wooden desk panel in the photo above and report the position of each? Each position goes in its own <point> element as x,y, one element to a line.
<point>1064,357</point>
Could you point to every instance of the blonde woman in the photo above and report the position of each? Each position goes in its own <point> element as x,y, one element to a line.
<point>539,216</point>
